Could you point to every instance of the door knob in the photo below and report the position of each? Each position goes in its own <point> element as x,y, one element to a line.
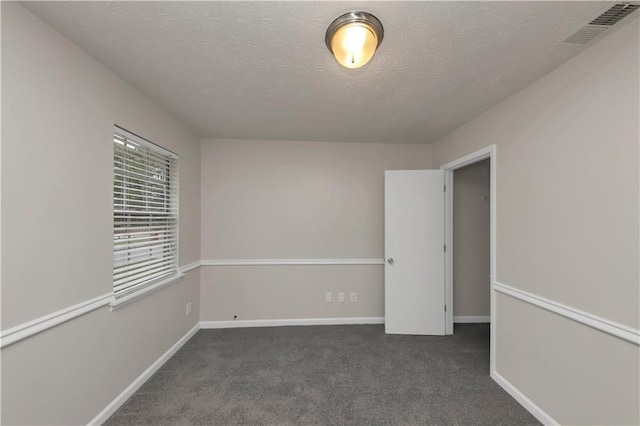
<point>390,261</point>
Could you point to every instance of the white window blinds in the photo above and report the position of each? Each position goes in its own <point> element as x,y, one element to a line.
<point>145,213</point>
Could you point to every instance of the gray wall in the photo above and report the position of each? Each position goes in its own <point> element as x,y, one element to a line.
<point>471,244</point>
<point>295,200</point>
<point>58,111</point>
<point>567,230</point>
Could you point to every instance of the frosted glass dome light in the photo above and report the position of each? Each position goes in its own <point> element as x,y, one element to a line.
<point>353,38</point>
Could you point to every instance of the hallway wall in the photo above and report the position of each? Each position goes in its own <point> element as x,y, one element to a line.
<point>471,243</point>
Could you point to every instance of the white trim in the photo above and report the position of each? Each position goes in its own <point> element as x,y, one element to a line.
<point>494,241</point>
<point>271,262</point>
<point>615,329</point>
<point>479,155</point>
<point>182,270</point>
<point>30,328</point>
<point>125,300</point>
<point>472,319</point>
<point>141,379</point>
<point>33,327</point>
<point>189,266</point>
<point>448,255</point>
<point>468,159</point>
<point>531,407</point>
<point>289,322</point>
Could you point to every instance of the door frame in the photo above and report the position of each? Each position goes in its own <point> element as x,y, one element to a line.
<point>479,155</point>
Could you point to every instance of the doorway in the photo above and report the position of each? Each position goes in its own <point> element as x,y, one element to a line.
<point>471,259</point>
<point>484,154</point>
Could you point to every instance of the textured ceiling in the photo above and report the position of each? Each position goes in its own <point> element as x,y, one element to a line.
<point>260,70</point>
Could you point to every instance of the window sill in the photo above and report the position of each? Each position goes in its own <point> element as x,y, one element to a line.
<point>118,303</point>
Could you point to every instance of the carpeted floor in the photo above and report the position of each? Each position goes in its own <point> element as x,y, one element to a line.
<point>333,375</point>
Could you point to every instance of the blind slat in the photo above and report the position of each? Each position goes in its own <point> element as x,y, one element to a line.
<point>136,236</point>
<point>144,176</point>
<point>126,245</point>
<point>125,288</point>
<point>139,228</point>
<point>143,274</point>
<point>120,271</point>
<point>137,212</point>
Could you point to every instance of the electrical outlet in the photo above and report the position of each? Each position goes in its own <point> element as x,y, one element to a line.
<point>354,297</point>
<point>341,297</point>
<point>327,296</point>
<point>188,309</point>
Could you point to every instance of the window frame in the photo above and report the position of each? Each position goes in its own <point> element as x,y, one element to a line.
<point>135,291</point>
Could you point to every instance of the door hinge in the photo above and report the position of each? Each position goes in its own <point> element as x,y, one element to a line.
<point>445,308</point>
<point>445,188</point>
<point>445,248</point>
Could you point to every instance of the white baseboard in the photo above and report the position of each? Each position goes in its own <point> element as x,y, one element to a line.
<point>139,381</point>
<point>286,322</point>
<point>472,319</point>
<point>536,411</point>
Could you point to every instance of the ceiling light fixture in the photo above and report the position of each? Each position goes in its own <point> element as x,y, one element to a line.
<point>353,38</point>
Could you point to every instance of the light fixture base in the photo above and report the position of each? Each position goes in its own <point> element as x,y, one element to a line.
<point>350,18</point>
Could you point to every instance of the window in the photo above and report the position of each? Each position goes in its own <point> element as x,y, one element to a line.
<point>145,213</point>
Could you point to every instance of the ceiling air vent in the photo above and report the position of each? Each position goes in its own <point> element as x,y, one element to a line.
<point>614,14</point>
<point>602,22</point>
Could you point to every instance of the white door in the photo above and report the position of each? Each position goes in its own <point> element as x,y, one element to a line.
<point>414,286</point>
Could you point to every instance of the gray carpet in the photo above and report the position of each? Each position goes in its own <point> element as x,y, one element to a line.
<point>333,375</point>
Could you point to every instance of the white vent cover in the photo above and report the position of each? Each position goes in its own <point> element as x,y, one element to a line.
<point>602,22</point>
